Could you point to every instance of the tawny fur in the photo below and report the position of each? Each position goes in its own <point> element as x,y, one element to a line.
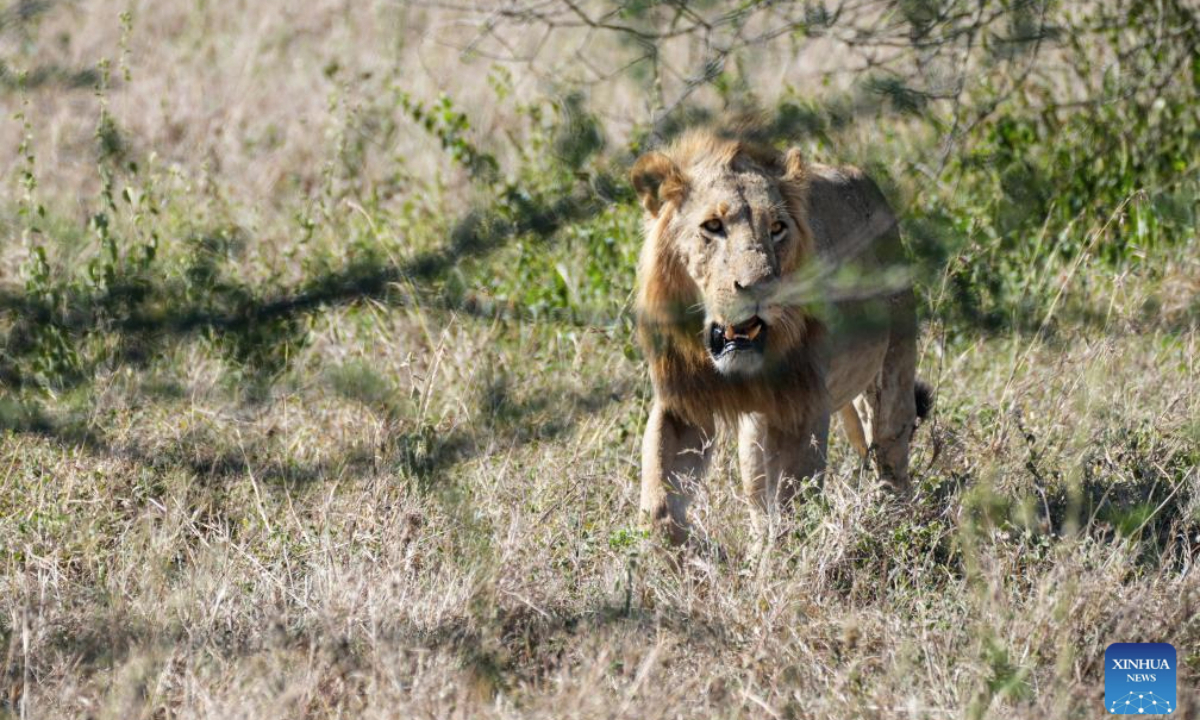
<point>862,369</point>
<point>670,329</point>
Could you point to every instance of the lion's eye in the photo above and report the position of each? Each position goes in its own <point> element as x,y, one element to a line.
<point>777,228</point>
<point>713,226</point>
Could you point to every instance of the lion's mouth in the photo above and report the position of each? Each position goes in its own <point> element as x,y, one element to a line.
<point>749,335</point>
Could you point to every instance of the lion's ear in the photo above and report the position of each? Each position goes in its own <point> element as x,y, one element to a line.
<point>657,181</point>
<point>794,167</point>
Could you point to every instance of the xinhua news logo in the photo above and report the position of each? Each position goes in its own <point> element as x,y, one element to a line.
<point>1139,679</point>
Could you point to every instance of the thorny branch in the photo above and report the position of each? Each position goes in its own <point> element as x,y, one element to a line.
<point>968,55</point>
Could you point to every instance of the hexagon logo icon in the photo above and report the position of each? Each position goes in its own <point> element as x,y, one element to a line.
<point>1139,679</point>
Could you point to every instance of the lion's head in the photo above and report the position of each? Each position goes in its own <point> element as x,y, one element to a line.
<point>725,228</point>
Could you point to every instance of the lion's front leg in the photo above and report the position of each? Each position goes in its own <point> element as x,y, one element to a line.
<point>675,455</point>
<point>774,462</point>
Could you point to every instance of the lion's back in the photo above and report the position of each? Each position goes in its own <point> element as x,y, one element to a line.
<point>849,216</point>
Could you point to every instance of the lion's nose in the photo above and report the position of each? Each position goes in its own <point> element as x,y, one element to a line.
<point>755,282</point>
<point>751,272</point>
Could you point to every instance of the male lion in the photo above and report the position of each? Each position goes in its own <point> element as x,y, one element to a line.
<point>768,296</point>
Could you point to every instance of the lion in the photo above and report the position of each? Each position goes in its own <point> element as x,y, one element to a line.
<point>770,294</point>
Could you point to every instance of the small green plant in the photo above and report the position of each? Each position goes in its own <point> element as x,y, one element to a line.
<point>451,127</point>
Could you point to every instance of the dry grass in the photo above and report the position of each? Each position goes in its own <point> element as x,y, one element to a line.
<point>318,555</point>
<point>432,514</point>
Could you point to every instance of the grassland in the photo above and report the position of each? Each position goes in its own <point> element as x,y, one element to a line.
<point>319,396</point>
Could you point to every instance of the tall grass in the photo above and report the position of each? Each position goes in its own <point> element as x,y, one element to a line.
<point>319,396</point>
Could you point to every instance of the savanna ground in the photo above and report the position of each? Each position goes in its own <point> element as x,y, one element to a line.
<point>319,395</point>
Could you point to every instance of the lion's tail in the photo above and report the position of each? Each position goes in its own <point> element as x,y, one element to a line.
<point>924,392</point>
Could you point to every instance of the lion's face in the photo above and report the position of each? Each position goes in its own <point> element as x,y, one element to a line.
<point>732,231</point>
<point>730,221</point>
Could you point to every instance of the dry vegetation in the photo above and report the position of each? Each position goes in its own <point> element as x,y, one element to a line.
<point>318,395</point>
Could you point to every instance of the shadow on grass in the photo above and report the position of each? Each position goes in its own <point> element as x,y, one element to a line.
<point>143,308</point>
<point>514,646</point>
<point>48,75</point>
<point>520,644</point>
<point>421,453</point>
<point>142,311</point>
<point>1133,486</point>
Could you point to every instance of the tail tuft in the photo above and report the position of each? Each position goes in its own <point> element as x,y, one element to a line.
<point>924,394</point>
